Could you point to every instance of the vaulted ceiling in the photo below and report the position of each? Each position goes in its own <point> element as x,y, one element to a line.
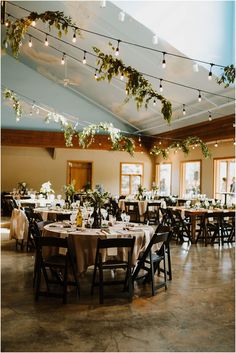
<point>70,89</point>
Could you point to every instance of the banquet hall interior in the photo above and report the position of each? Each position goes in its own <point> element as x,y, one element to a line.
<point>118,176</point>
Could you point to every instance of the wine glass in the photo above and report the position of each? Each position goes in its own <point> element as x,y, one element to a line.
<point>127,218</point>
<point>123,216</point>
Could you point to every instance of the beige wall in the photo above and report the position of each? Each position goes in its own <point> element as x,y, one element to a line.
<point>35,166</point>
<point>225,149</point>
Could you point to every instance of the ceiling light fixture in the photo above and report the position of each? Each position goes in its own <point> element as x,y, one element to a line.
<point>117,53</point>
<point>63,59</point>
<point>210,73</point>
<point>84,59</point>
<point>160,87</point>
<point>74,37</point>
<point>154,39</point>
<point>184,111</point>
<point>199,97</point>
<point>30,42</point>
<point>121,16</point>
<point>164,60</point>
<point>46,41</point>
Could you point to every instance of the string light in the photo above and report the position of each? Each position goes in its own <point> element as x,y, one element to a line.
<point>33,105</point>
<point>122,76</point>
<point>139,139</point>
<point>7,22</point>
<point>154,39</point>
<point>33,23</point>
<point>63,59</point>
<point>216,144</point>
<point>95,75</point>
<point>30,42</point>
<point>74,37</point>
<point>37,111</point>
<point>164,60</point>
<point>121,16</point>
<point>209,117</point>
<point>234,143</point>
<point>17,119</point>
<point>84,59</point>
<point>184,111</point>
<point>154,103</point>
<point>117,53</point>
<point>199,97</point>
<point>210,73</point>
<point>46,41</point>
<point>160,87</point>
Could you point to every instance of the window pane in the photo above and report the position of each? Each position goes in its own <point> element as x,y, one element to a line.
<point>191,178</point>
<point>125,185</point>
<point>135,182</point>
<point>165,179</point>
<point>132,169</point>
<point>224,174</point>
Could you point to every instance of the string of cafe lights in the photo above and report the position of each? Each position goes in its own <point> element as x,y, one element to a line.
<point>84,61</point>
<point>121,41</point>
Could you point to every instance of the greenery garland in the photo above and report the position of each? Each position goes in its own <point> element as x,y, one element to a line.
<point>136,85</point>
<point>183,145</point>
<point>119,142</point>
<point>228,76</point>
<point>8,94</point>
<point>17,29</point>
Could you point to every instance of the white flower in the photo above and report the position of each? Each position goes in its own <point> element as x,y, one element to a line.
<point>46,188</point>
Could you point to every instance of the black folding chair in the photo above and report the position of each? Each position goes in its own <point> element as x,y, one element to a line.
<point>126,245</point>
<point>131,208</point>
<point>149,261</point>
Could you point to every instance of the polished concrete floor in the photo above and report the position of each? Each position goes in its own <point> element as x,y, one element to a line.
<point>195,314</point>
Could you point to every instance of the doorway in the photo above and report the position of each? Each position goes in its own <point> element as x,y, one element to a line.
<point>81,173</point>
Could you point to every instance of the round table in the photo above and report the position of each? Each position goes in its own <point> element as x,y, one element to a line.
<point>84,240</point>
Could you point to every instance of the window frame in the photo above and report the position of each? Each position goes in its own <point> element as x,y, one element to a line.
<point>182,163</point>
<point>130,175</point>
<point>215,160</point>
<point>157,174</point>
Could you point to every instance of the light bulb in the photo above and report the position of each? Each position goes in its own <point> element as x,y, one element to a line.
<point>84,59</point>
<point>139,139</point>
<point>33,23</point>
<point>63,59</point>
<point>160,87</point>
<point>216,144</point>
<point>164,61</point>
<point>154,103</point>
<point>155,39</point>
<point>234,143</point>
<point>159,142</point>
<point>117,53</point>
<point>7,22</point>
<point>210,73</point>
<point>17,119</point>
<point>33,105</point>
<point>30,43</point>
<point>199,97</point>
<point>46,41</point>
<point>95,75</point>
<point>74,38</point>
<point>209,117</point>
<point>122,76</point>
<point>37,111</point>
<point>121,16</point>
<point>184,111</point>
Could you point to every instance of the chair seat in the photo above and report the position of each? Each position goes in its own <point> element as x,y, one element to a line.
<point>56,260</point>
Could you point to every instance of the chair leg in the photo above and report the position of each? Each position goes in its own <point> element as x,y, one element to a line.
<point>65,283</point>
<point>152,274</point>
<point>101,296</point>
<point>165,275</point>
<point>38,279</point>
<point>169,263</point>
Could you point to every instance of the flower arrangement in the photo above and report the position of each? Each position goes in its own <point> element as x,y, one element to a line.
<point>140,195</point>
<point>22,186</point>
<point>70,191</point>
<point>46,188</point>
<point>97,198</point>
<point>8,94</point>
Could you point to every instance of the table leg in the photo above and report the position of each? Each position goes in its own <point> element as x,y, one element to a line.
<point>193,228</point>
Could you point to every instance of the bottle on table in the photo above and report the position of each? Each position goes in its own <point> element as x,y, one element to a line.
<point>79,218</point>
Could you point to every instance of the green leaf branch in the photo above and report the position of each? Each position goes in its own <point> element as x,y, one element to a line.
<point>183,145</point>
<point>10,95</point>
<point>136,85</point>
<point>17,29</point>
<point>228,76</point>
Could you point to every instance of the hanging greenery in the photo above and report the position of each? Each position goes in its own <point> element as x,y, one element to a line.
<point>136,85</point>
<point>228,76</point>
<point>17,29</point>
<point>8,94</point>
<point>184,146</point>
<point>119,142</point>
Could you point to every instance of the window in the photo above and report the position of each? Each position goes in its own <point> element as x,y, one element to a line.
<point>163,178</point>
<point>131,177</point>
<point>224,177</point>
<point>190,182</point>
